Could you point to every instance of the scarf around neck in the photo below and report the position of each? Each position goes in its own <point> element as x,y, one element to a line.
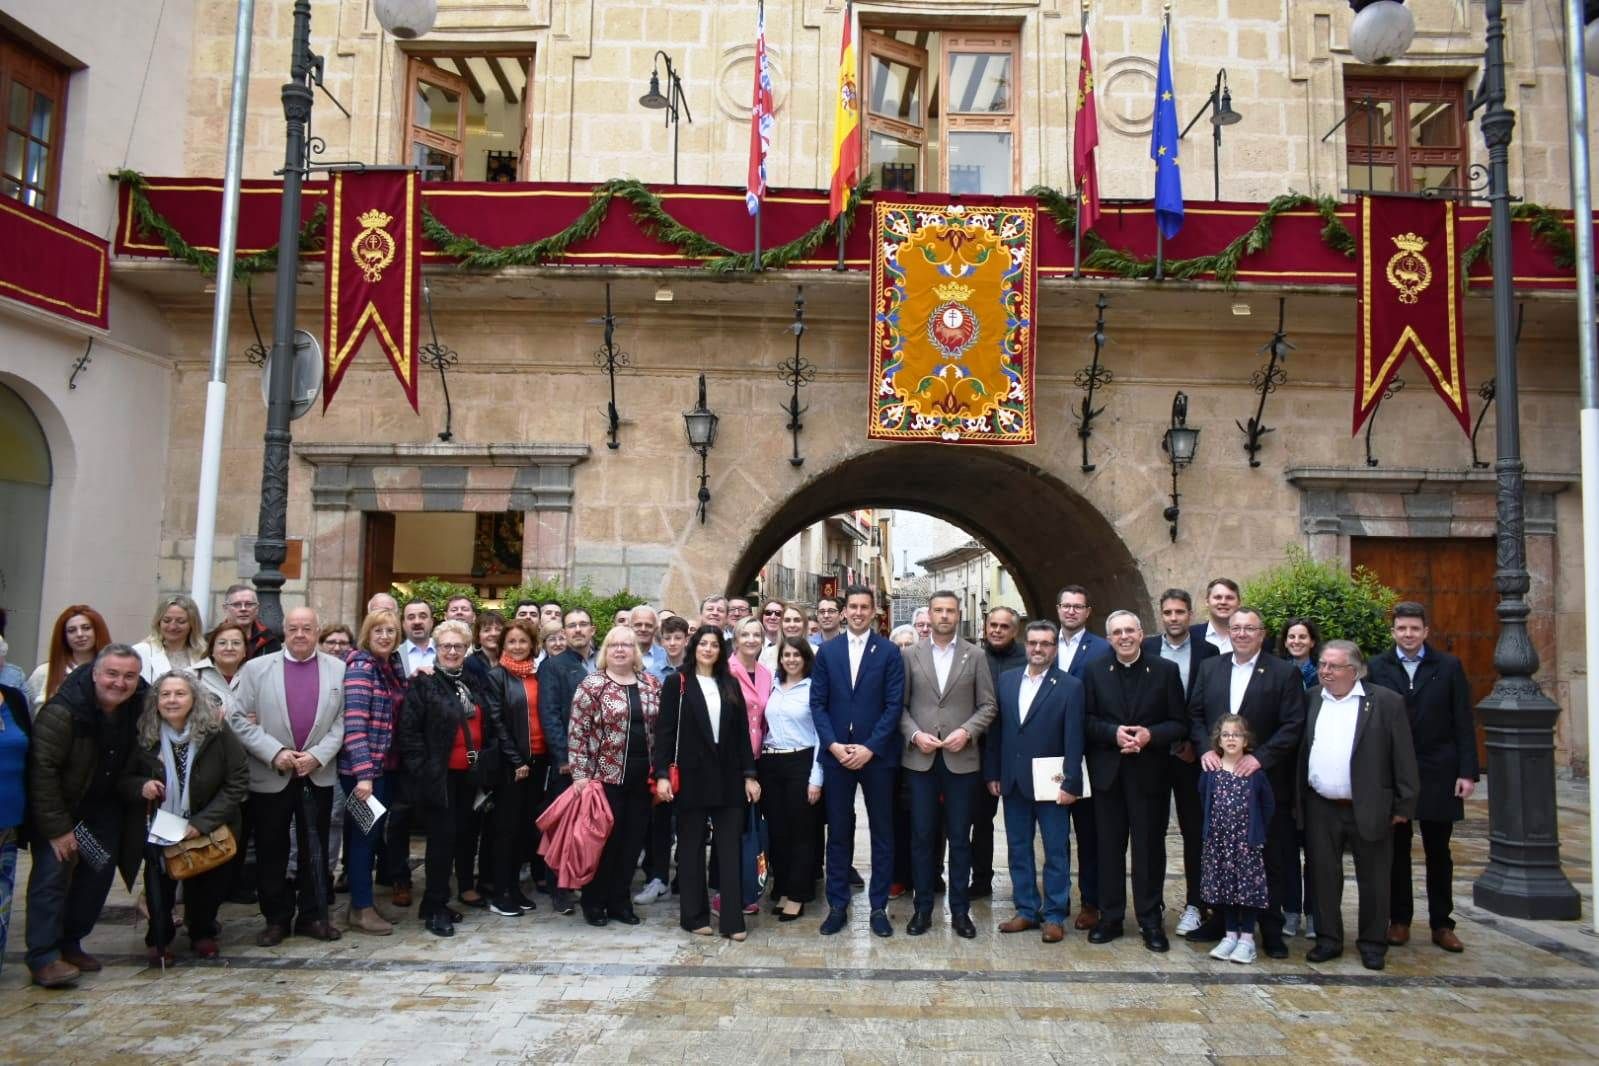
<point>519,668</point>
<point>176,800</point>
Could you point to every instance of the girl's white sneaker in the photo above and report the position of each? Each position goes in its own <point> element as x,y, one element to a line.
<point>1224,951</point>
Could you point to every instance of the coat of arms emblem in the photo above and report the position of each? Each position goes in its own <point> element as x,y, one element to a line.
<point>373,248</point>
<point>952,327</point>
<point>1408,271</point>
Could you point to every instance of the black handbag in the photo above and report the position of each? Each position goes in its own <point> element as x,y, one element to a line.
<point>481,764</point>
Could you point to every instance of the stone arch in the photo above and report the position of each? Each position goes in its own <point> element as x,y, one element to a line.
<point>32,442</point>
<point>1046,533</point>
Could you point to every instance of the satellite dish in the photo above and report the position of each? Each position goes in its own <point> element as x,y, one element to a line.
<point>306,383</point>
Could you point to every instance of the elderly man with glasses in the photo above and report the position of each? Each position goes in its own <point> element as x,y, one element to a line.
<point>1270,695</point>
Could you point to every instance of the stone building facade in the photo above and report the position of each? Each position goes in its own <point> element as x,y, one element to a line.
<point>528,427</point>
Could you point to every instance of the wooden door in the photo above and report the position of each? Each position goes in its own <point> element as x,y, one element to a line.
<point>1454,579</point>
<point>377,555</point>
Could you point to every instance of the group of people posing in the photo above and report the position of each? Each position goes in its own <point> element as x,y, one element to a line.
<point>468,728</point>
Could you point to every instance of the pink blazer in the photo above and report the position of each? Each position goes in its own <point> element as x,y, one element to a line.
<point>756,695</point>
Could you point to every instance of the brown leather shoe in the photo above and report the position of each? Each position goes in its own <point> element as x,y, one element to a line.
<point>81,959</point>
<point>368,920</point>
<point>1087,917</point>
<point>271,936</point>
<point>401,896</point>
<point>1398,934</point>
<point>1053,933</point>
<point>1017,924</point>
<point>1446,939</point>
<point>57,974</point>
<point>317,929</point>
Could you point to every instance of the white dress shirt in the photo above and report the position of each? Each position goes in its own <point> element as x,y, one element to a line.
<point>1068,649</point>
<point>1218,637</point>
<point>1181,654</point>
<point>414,656</point>
<point>943,659</point>
<point>1333,744</point>
<point>1032,684</point>
<point>1410,664</point>
<point>857,649</point>
<point>713,704</point>
<point>1242,672</point>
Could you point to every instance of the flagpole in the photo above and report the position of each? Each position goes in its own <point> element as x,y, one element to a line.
<point>1160,234</point>
<point>758,213</point>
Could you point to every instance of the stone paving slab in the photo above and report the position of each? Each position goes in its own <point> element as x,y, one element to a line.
<point>550,989</point>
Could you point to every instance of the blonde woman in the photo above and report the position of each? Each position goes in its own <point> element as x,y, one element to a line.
<point>176,641</point>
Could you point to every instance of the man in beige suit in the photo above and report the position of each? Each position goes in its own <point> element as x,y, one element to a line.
<point>949,701</point>
<point>289,713</point>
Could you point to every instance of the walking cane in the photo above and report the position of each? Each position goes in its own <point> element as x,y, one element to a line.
<point>153,866</point>
<point>318,874</point>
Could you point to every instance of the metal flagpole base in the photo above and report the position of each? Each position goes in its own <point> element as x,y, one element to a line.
<point>1523,878</point>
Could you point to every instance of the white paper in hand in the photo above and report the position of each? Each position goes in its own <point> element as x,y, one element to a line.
<point>167,828</point>
<point>1047,778</point>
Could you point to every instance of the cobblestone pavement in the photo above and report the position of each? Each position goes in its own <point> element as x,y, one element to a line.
<point>551,989</point>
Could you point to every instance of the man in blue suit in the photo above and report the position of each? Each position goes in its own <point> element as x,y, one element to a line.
<point>857,697</point>
<point>1078,649</point>
<point>1040,717</point>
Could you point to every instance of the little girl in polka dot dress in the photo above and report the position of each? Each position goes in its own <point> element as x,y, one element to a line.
<point>1233,868</point>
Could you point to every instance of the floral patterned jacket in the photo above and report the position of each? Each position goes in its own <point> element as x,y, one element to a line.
<point>597,736</point>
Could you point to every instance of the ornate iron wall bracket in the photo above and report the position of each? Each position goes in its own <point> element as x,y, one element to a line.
<point>441,359</point>
<point>256,353</point>
<point>797,373</point>
<point>608,358</point>
<point>1266,381</point>
<point>81,364</point>
<point>1486,392</point>
<point>1397,385</point>
<point>1090,379</point>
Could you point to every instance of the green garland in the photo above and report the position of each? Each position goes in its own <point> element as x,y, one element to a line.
<point>1223,264</point>
<point>150,221</point>
<point>651,215</point>
<point>1547,226</point>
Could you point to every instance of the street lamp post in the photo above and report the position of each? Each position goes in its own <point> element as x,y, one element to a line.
<point>1523,878</point>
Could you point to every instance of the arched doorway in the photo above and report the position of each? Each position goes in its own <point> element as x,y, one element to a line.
<point>1045,533</point>
<point>25,478</point>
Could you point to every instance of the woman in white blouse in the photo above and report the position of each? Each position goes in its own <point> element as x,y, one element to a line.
<point>791,779</point>
<point>176,641</point>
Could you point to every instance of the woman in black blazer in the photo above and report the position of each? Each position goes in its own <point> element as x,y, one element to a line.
<point>702,728</point>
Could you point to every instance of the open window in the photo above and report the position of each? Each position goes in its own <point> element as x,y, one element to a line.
<point>468,114</point>
<point>941,110</point>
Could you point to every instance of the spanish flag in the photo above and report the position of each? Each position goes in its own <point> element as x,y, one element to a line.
<point>846,121</point>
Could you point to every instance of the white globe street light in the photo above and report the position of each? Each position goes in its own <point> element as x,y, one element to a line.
<point>406,19</point>
<point>1381,32</point>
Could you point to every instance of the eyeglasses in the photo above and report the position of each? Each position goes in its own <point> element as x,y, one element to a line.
<point>1245,629</point>
<point>1040,643</point>
<point>772,614</point>
<point>1231,736</point>
<point>239,603</point>
<point>1073,606</point>
<point>450,647</point>
<point>1327,668</point>
<point>827,610</point>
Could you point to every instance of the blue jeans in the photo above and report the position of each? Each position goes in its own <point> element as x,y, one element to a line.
<point>358,860</point>
<point>8,880</point>
<point>958,792</point>
<point>876,780</point>
<point>1022,816</point>
<point>65,898</point>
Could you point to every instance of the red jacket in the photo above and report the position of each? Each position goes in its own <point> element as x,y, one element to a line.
<point>574,830</point>
<point>597,736</point>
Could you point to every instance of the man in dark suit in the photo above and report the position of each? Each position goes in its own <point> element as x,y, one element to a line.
<point>1134,716</point>
<point>1357,780</point>
<point>1078,648</point>
<point>1040,717</point>
<point>1270,694</point>
<point>949,703</point>
<point>1221,600</point>
<point>1177,644</point>
<point>1438,706</point>
<point>857,696</point>
<point>1004,654</point>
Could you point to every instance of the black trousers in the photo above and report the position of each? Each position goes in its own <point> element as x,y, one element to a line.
<point>271,814</point>
<point>1131,811</point>
<point>1329,829</point>
<point>451,842</point>
<point>610,891</point>
<point>985,808</point>
<point>694,905</point>
<point>396,868</point>
<point>905,830</point>
<point>202,897</point>
<point>1282,841</point>
<point>790,821</point>
<point>1190,822</point>
<point>511,824</point>
<point>1440,875</point>
<point>658,843</point>
<point>1085,830</point>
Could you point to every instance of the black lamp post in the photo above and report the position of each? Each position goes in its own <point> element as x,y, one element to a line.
<point>1220,105</point>
<point>700,425</point>
<point>1180,442</point>
<point>1523,878</point>
<point>669,102</point>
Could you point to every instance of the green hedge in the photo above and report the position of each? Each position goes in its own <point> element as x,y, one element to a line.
<point>1344,606</point>
<point>602,608</point>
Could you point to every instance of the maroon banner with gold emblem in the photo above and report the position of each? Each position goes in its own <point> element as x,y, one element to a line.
<point>374,265</point>
<point>1409,301</point>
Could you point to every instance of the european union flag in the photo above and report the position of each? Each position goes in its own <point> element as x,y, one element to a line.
<point>1163,147</point>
